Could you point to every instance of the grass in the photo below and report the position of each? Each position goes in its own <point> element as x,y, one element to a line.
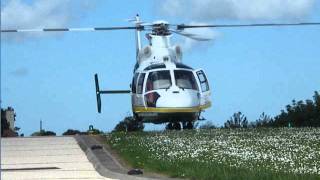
<point>223,153</point>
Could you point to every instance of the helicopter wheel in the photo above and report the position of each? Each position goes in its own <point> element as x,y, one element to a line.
<point>136,117</point>
<point>184,125</point>
<point>177,126</point>
<point>189,125</point>
<point>169,126</point>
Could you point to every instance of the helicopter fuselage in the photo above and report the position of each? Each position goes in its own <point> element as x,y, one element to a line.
<point>164,89</point>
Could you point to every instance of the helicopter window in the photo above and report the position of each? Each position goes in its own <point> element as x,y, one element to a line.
<point>140,83</point>
<point>185,79</point>
<point>136,66</point>
<point>155,66</point>
<point>134,83</point>
<point>180,65</point>
<point>203,81</point>
<point>158,80</point>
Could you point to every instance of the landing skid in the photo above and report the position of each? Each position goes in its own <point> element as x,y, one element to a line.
<point>178,125</point>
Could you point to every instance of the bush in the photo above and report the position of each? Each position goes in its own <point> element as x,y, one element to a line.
<point>263,121</point>
<point>94,131</point>
<point>44,133</point>
<point>129,124</point>
<point>72,132</point>
<point>238,120</point>
<point>207,125</point>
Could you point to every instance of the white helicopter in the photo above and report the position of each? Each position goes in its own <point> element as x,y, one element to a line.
<point>163,89</point>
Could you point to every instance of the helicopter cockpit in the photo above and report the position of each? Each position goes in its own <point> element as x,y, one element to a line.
<point>158,80</point>
<point>164,89</point>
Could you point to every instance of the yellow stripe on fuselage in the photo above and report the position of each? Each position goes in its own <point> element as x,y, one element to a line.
<point>139,109</point>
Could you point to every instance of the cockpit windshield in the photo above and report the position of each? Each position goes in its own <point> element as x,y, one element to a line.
<point>185,79</point>
<point>158,80</point>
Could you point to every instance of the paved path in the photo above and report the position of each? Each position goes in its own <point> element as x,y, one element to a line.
<point>44,158</point>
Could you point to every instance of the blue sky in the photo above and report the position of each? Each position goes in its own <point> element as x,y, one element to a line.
<point>252,70</point>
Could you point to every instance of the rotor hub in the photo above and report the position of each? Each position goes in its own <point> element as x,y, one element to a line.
<point>160,28</point>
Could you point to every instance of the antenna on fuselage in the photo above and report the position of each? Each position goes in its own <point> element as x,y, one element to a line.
<point>139,28</point>
<point>138,38</point>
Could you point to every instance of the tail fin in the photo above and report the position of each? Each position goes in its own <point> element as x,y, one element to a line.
<point>98,93</point>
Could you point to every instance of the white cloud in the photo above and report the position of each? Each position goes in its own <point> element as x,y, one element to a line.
<point>204,10</point>
<point>245,10</point>
<point>40,14</point>
<point>208,33</point>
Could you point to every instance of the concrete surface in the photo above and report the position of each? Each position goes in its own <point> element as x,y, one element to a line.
<point>45,158</point>
<point>105,163</point>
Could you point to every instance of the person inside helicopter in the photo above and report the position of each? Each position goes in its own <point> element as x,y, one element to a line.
<point>158,80</point>
<point>185,79</point>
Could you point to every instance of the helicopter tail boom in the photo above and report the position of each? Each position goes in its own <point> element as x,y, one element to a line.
<point>99,92</point>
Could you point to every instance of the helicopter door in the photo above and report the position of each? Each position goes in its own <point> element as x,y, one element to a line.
<point>204,89</point>
<point>138,96</point>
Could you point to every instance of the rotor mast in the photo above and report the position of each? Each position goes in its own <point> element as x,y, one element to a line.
<point>160,35</point>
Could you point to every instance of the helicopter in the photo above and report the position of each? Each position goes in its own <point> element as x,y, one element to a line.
<point>163,88</point>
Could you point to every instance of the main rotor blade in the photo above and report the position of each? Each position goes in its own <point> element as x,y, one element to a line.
<point>191,36</point>
<point>72,29</point>
<point>183,26</point>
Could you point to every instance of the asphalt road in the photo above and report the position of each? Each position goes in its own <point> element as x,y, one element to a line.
<point>45,158</point>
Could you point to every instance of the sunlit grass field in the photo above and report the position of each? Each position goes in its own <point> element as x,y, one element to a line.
<point>283,153</point>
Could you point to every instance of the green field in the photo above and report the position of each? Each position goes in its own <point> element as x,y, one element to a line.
<point>280,153</point>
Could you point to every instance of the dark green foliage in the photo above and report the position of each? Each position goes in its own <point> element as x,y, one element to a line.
<point>129,124</point>
<point>43,133</point>
<point>263,121</point>
<point>73,132</point>
<point>207,125</point>
<point>4,123</point>
<point>5,127</point>
<point>237,120</point>
<point>94,131</point>
<point>300,114</point>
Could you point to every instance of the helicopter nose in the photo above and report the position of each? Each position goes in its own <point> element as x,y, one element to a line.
<point>179,99</point>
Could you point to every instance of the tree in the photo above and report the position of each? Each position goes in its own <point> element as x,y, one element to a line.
<point>300,114</point>
<point>5,127</point>
<point>316,99</point>
<point>129,124</point>
<point>4,123</point>
<point>237,120</point>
